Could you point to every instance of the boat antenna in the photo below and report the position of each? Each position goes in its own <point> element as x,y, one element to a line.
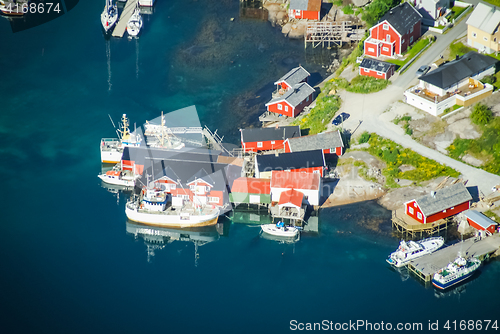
<point>112,121</point>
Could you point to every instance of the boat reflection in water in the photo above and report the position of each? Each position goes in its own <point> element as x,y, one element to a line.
<point>156,238</point>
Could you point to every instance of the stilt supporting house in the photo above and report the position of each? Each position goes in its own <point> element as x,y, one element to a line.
<point>410,228</point>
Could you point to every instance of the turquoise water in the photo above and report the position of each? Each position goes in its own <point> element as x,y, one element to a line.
<point>68,263</point>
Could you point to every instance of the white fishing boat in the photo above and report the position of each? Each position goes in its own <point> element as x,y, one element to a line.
<point>154,207</point>
<point>112,148</point>
<point>455,272</point>
<point>109,15</point>
<point>134,24</point>
<point>411,250</point>
<point>11,8</point>
<point>118,177</point>
<point>279,229</point>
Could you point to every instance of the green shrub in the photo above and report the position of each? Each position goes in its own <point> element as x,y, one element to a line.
<point>489,79</point>
<point>481,114</point>
<point>363,84</point>
<point>337,3</point>
<point>365,136</point>
<point>376,9</point>
<point>348,10</point>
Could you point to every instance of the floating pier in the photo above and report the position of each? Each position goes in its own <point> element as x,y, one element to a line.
<point>426,266</point>
<point>127,12</point>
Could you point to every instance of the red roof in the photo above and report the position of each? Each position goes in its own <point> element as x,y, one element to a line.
<point>291,196</point>
<point>289,180</point>
<point>251,185</point>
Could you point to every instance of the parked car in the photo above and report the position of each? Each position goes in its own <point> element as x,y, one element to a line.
<point>340,118</point>
<point>422,70</point>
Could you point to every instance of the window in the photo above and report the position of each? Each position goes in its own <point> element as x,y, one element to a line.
<point>297,12</point>
<point>411,30</point>
<point>385,48</point>
<point>452,208</point>
<point>380,73</point>
<point>272,142</point>
<point>385,27</point>
<point>419,215</point>
<point>213,199</point>
<point>307,100</point>
<point>192,188</point>
<point>411,39</point>
<point>388,38</point>
<point>474,35</point>
<point>410,210</point>
<point>280,107</point>
<point>485,39</point>
<point>371,50</point>
<point>316,171</point>
<point>259,144</point>
<point>494,39</point>
<point>286,108</point>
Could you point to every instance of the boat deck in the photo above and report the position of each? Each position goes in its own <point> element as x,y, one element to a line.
<point>127,12</point>
<point>426,266</point>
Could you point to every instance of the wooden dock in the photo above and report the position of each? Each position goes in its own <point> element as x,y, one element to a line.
<point>127,12</point>
<point>426,266</point>
<point>410,228</point>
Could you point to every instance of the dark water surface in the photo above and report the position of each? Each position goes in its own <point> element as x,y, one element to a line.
<point>68,263</point>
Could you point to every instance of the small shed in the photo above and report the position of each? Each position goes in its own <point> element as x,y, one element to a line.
<point>479,221</point>
<point>251,191</point>
<point>307,161</point>
<point>294,76</point>
<point>305,9</point>
<point>330,142</point>
<point>376,68</point>
<point>290,203</point>
<point>439,204</point>
<point>266,139</point>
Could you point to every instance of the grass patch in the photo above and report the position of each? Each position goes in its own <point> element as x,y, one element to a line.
<point>456,11</point>
<point>492,215</point>
<point>364,85</point>
<point>326,106</point>
<point>458,49</point>
<point>351,59</point>
<point>376,9</point>
<point>348,10</point>
<point>395,155</point>
<point>486,147</point>
<point>411,52</point>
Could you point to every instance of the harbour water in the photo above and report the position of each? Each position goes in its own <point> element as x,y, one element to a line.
<point>70,263</point>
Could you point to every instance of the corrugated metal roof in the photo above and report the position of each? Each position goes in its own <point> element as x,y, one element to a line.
<point>451,73</point>
<point>252,135</point>
<point>377,65</point>
<point>319,141</point>
<point>443,199</point>
<point>479,218</point>
<point>290,180</point>
<point>294,76</point>
<point>249,185</point>
<point>402,17</point>
<point>289,161</point>
<point>291,197</point>
<point>485,18</point>
<point>299,4</point>
<point>295,95</point>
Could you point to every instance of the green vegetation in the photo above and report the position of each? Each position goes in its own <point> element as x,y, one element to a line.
<point>365,136</point>
<point>364,85</point>
<point>406,119</point>
<point>447,110</point>
<point>337,3</point>
<point>492,215</point>
<point>348,10</point>
<point>376,9</point>
<point>481,114</point>
<point>351,59</point>
<point>326,106</point>
<point>411,52</point>
<point>489,79</point>
<point>486,148</point>
<point>458,49</point>
<point>395,155</point>
<point>456,11</point>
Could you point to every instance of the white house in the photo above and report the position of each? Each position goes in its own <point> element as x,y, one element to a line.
<point>307,183</point>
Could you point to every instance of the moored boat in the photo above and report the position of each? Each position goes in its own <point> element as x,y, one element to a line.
<point>109,15</point>
<point>112,148</point>
<point>13,8</point>
<point>411,250</point>
<point>134,24</point>
<point>279,229</point>
<point>154,206</point>
<point>119,177</point>
<point>455,272</point>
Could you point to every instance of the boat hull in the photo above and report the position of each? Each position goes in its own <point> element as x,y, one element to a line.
<point>273,230</point>
<point>429,246</point>
<point>116,181</point>
<point>171,220</point>
<point>446,285</point>
<point>111,157</point>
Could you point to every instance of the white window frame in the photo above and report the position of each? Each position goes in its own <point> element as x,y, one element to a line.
<point>286,108</point>
<point>371,49</point>
<point>474,34</point>
<point>192,187</point>
<point>385,26</point>
<point>419,215</point>
<point>259,144</point>
<point>297,12</point>
<point>388,38</point>
<point>385,48</point>
<point>485,38</point>
<point>273,142</point>
<point>280,107</point>
<point>307,100</point>
<point>380,73</point>
<point>213,199</point>
<point>315,171</point>
<point>411,211</point>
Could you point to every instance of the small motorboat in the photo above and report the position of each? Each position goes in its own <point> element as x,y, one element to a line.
<point>134,24</point>
<point>280,229</point>
<point>411,250</point>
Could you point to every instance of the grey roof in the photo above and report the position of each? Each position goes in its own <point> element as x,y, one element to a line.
<point>402,17</point>
<point>294,76</point>
<point>295,95</point>
<point>479,218</point>
<point>455,71</point>
<point>294,160</point>
<point>485,18</point>
<point>443,199</point>
<point>377,65</point>
<point>320,141</point>
<point>299,4</point>
<point>266,134</point>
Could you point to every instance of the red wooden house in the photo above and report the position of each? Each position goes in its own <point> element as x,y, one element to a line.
<point>305,9</point>
<point>480,222</point>
<point>292,101</point>
<point>294,76</point>
<point>376,68</point>
<point>266,139</point>
<point>439,204</point>
<point>396,30</point>
<point>330,142</point>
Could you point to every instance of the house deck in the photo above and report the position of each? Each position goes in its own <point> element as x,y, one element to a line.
<point>463,91</point>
